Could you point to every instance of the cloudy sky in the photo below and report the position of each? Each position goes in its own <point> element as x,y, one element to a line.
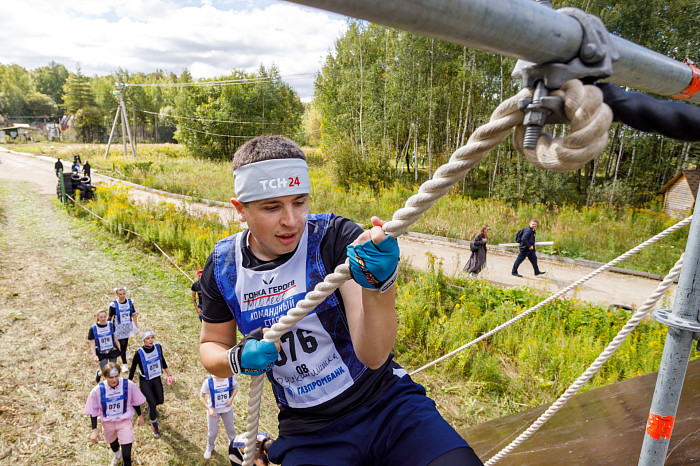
<point>208,37</point>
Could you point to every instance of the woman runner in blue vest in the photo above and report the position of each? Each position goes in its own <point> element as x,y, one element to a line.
<point>114,402</point>
<point>124,316</point>
<point>342,398</point>
<point>103,342</point>
<point>217,396</point>
<point>151,364</point>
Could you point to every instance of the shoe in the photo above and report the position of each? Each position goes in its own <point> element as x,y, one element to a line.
<point>156,432</point>
<point>117,458</point>
<point>207,454</point>
<point>517,275</point>
<point>540,273</point>
<point>125,367</point>
<point>98,376</point>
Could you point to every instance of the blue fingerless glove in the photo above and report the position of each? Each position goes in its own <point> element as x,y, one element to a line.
<point>375,266</point>
<point>252,356</point>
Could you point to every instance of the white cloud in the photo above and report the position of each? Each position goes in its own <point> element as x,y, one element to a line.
<point>209,37</point>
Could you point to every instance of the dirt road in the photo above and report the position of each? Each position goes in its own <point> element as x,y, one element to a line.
<point>607,288</point>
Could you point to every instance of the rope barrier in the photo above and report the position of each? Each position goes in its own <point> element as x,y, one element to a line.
<point>556,295</point>
<point>600,360</point>
<point>483,139</point>
<point>133,233</point>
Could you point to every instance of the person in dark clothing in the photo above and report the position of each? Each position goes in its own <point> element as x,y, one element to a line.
<point>58,166</point>
<point>527,249</point>
<point>103,343</point>
<point>151,364</point>
<point>669,118</point>
<point>197,295</point>
<point>477,261</point>
<point>86,168</point>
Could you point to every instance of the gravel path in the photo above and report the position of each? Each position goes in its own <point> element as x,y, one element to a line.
<point>607,288</point>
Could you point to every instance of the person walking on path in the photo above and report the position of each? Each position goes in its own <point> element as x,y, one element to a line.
<point>150,363</point>
<point>58,166</point>
<point>103,342</point>
<point>114,402</point>
<point>477,260</point>
<point>197,295</point>
<point>339,391</point>
<point>123,314</point>
<point>86,168</point>
<point>527,249</point>
<point>217,396</point>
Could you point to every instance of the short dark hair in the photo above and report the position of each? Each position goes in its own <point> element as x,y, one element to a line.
<point>266,148</point>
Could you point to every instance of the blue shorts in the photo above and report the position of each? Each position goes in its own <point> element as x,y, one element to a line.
<point>403,428</point>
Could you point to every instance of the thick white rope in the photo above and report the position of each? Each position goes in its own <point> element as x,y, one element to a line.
<point>503,119</point>
<point>561,292</point>
<point>631,324</point>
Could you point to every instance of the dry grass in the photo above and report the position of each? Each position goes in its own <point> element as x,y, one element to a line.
<point>55,272</point>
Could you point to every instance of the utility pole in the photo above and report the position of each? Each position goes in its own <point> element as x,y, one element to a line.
<point>121,111</point>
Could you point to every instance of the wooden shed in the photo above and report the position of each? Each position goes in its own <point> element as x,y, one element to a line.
<point>680,193</point>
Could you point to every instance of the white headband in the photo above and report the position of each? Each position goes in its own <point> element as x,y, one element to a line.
<point>271,178</point>
<point>120,288</point>
<point>146,334</point>
<point>113,371</point>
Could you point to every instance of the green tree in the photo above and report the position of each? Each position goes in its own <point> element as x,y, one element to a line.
<point>49,80</point>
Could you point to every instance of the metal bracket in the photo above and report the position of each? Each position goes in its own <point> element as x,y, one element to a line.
<point>595,59</point>
<point>596,56</point>
<point>666,317</point>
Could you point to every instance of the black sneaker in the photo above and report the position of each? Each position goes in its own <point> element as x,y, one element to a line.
<point>156,432</point>
<point>517,275</point>
<point>98,376</point>
<point>540,273</point>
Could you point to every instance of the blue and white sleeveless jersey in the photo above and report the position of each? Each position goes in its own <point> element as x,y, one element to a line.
<point>104,337</point>
<point>220,391</point>
<point>113,400</point>
<point>151,362</point>
<point>123,311</point>
<point>317,361</point>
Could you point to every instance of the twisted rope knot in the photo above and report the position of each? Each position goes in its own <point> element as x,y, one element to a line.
<point>590,121</point>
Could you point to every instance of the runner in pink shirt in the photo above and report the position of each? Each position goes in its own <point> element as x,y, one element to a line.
<point>114,401</point>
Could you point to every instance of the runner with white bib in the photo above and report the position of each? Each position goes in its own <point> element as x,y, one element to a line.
<point>124,316</point>
<point>217,396</point>
<point>114,402</point>
<point>103,342</point>
<point>151,364</point>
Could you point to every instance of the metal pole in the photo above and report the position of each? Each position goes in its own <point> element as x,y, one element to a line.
<point>516,28</point>
<point>682,324</point>
<point>125,121</point>
<point>63,187</point>
<point>111,133</point>
<point>123,113</point>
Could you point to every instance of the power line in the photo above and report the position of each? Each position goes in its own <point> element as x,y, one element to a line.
<point>227,82</point>
<point>218,121</point>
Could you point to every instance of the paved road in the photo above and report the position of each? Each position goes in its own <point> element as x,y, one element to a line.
<point>607,288</point>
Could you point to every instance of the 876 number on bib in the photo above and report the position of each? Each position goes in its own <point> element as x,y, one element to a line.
<point>307,342</point>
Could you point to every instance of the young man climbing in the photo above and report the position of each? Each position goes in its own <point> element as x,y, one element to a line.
<point>342,398</point>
